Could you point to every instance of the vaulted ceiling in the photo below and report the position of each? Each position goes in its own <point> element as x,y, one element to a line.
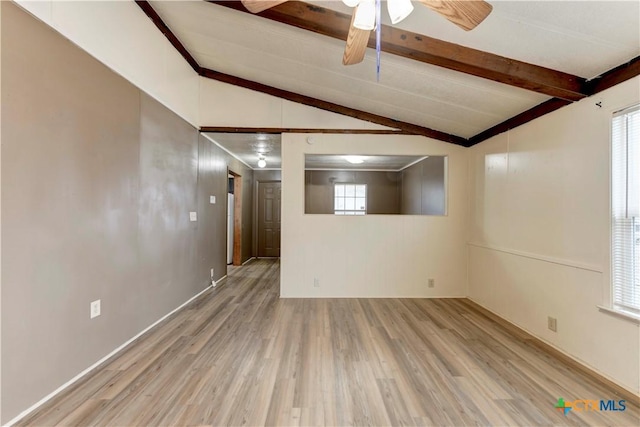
<point>525,59</point>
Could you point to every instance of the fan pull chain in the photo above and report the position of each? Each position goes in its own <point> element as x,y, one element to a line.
<point>378,37</point>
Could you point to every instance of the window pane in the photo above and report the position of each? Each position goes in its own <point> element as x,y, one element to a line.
<point>625,203</point>
<point>339,190</point>
<point>360,204</point>
<point>350,204</point>
<point>361,190</point>
<point>339,212</point>
<point>339,203</point>
<point>360,213</point>
<point>350,190</point>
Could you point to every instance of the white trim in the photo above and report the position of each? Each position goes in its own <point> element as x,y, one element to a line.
<point>415,162</point>
<point>216,283</point>
<point>630,317</point>
<point>558,349</point>
<point>99,362</point>
<point>552,260</point>
<point>250,259</point>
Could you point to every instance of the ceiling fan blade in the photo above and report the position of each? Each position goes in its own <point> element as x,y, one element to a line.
<point>357,41</point>
<point>466,14</point>
<point>257,6</point>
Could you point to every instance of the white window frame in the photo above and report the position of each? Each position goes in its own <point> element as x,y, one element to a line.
<point>345,211</point>
<point>625,212</point>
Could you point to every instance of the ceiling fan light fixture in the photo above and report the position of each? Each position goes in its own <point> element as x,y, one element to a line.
<point>262,162</point>
<point>351,3</point>
<point>354,160</point>
<point>365,15</point>
<point>399,9</point>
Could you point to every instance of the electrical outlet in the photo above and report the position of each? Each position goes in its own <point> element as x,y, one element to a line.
<point>212,200</point>
<point>316,282</point>
<point>431,283</point>
<point>212,273</point>
<point>193,216</point>
<point>552,323</point>
<point>95,308</point>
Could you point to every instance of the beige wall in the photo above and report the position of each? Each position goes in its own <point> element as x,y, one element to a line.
<point>539,236</point>
<point>98,180</point>
<point>137,50</point>
<point>373,255</point>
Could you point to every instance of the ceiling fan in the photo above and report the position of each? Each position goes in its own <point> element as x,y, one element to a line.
<point>466,14</point>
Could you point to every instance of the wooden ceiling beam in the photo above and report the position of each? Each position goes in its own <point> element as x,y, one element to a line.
<point>164,29</point>
<point>606,80</point>
<point>614,76</point>
<point>429,50</point>
<point>408,128</point>
<point>526,116</point>
<point>231,129</point>
<point>403,127</point>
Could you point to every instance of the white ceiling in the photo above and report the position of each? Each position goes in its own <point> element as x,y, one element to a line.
<point>245,147</point>
<point>584,38</point>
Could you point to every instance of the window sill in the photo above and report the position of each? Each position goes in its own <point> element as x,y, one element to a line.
<point>630,317</point>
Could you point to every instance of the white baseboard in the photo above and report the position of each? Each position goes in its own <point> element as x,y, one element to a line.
<point>216,283</point>
<point>250,259</point>
<point>558,349</point>
<point>99,362</point>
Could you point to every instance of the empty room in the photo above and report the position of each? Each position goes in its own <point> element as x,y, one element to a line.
<point>319,213</point>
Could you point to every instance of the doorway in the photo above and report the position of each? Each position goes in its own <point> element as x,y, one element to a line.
<point>234,219</point>
<point>269,219</point>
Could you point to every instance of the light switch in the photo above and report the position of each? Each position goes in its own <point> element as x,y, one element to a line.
<point>212,200</point>
<point>95,308</point>
<point>193,216</point>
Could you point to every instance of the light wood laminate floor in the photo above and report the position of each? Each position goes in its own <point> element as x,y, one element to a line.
<point>239,355</point>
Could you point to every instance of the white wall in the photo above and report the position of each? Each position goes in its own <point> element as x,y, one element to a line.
<point>121,36</point>
<point>222,104</point>
<point>374,255</point>
<point>539,232</point>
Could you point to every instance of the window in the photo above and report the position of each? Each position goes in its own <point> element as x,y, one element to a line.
<point>350,199</point>
<point>625,207</point>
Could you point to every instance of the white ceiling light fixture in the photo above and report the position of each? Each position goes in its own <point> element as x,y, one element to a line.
<point>399,9</point>
<point>351,3</point>
<point>262,147</point>
<point>365,18</point>
<point>354,160</point>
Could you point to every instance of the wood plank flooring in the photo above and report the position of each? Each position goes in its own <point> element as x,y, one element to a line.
<point>239,355</point>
